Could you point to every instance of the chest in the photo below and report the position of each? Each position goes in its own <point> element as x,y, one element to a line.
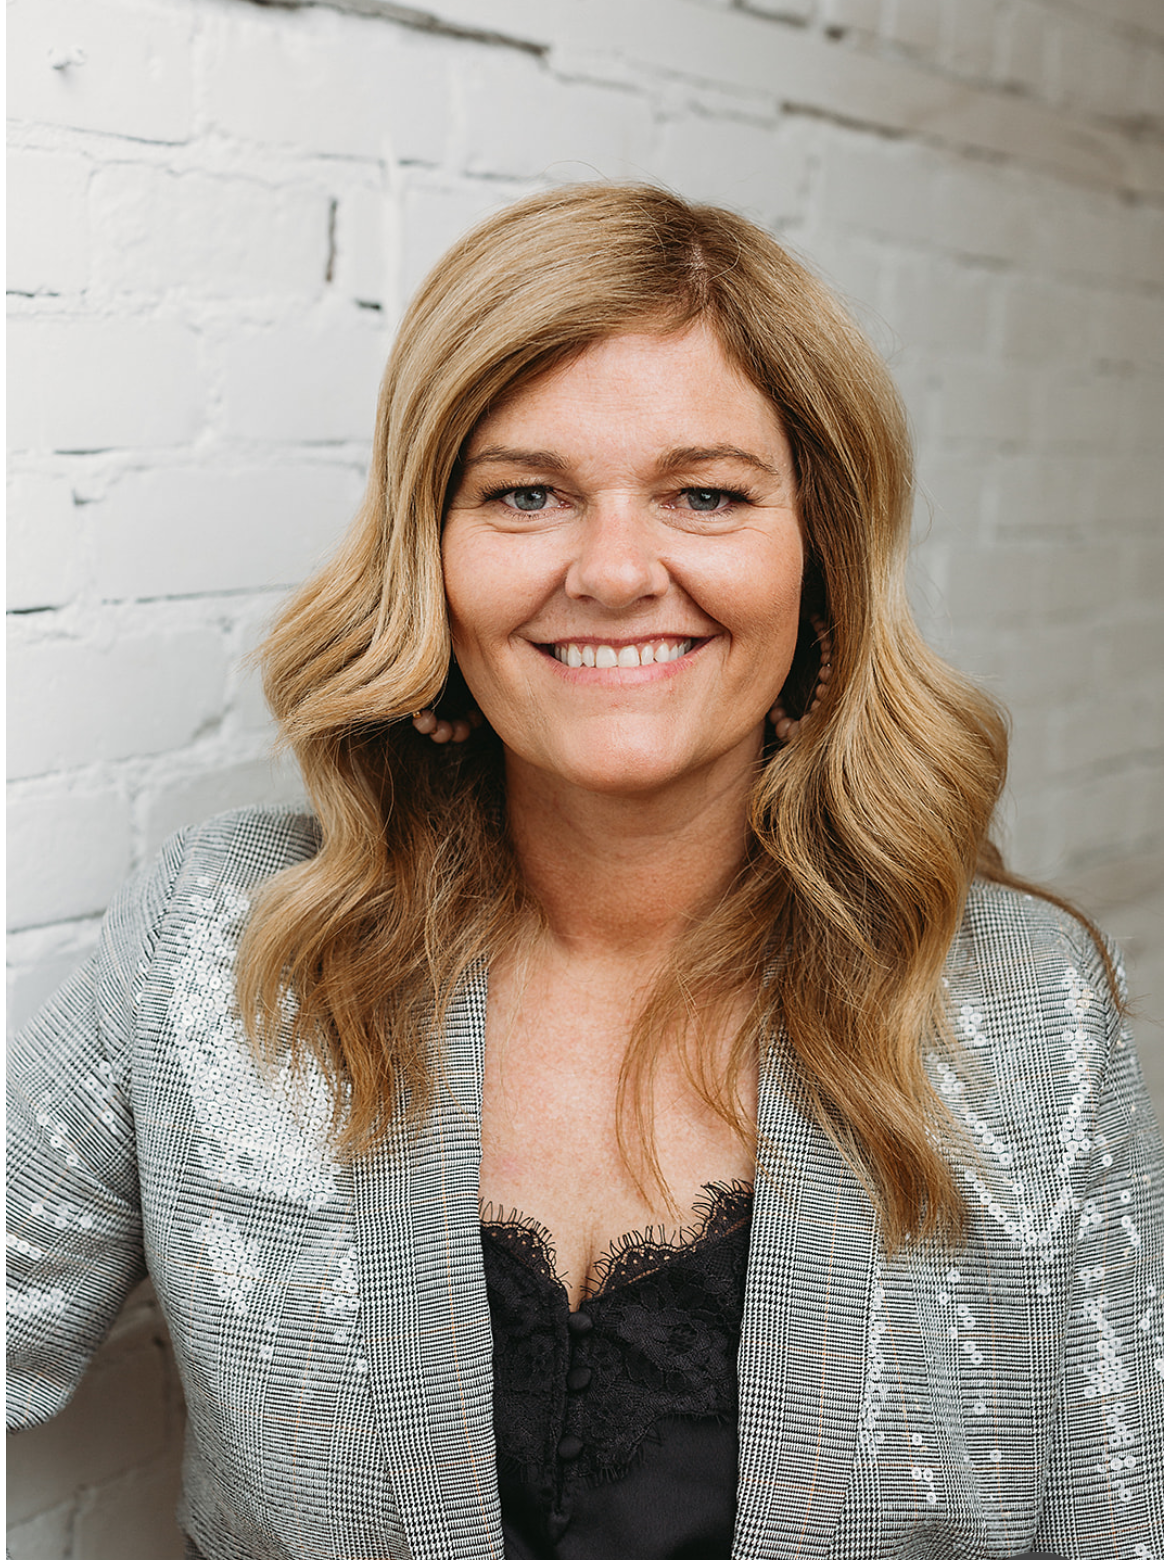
<point>566,1123</point>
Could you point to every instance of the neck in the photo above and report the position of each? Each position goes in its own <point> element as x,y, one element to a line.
<point>621,877</point>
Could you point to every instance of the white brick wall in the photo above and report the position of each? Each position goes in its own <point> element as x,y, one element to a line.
<point>217,212</point>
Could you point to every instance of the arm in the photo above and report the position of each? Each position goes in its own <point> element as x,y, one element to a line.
<point>1103,1492</point>
<point>74,1233</point>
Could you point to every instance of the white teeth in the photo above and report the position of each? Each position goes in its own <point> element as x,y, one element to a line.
<point>628,656</point>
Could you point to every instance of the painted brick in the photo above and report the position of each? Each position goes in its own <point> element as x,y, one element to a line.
<point>362,267</point>
<point>44,542</point>
<point>996,585</point>
<point>434,216</point>
<point>248,712</point>
<point>981,401</point>
<point>1077,45</point>
<point>888,189</point>
<point>182,531</point>
<point>67,854</point>
<point>44,1537</point>
<point>584,130</point>
<point>1034,494</point>
<point>1081,584</point>
<point>1031,752</point>
<point>1116,809</point>
<point>156,231</point>
<point>730,162</point>
<point>48,235</point>
<point>1023,48</point>
<point>1127,328</point>
<point>1082,234</point>
<point>131,74</point>
<point>916,25</point>
<point>144,694</point>
<point>1125,492</point>
<point>1139,412</point>
<point>1056,667</point>
<point>949,307</point>
<point>315,383</point>
<point>1111,82</point>
<point>1139,564</point>
<point>152,1493</point>
<point>191,799</point>
<point>983,215</point>
<point>1097,734</point>
<point>957,489</point>
<point>1079,408</point>
<point>862,16</point>
<point>786,10</point>
<point>1048,323</point>
<point>1148,88</point>
<point>1131,649</point>
<point>971,47</point>
<point>1032,831</point>
<point>331,85</point>
<point>101,384</point>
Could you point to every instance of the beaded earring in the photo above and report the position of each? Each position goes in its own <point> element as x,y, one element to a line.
<point>428,724</point>
<point>786,725</point>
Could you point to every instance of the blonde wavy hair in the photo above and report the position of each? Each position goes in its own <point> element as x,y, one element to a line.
<point>865,833</point>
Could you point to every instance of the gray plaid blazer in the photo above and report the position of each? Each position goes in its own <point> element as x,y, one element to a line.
<point>331,1323</point>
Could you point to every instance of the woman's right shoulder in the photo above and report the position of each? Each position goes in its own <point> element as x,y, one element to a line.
<point>248,844</point>
<point>184,908</point>
<point>230,854</point>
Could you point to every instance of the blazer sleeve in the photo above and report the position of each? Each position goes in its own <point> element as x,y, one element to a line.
<point>1103,1495</point>
<point>74,1227</point>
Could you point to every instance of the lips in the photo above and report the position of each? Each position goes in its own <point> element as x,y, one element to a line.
<point>603,656</point>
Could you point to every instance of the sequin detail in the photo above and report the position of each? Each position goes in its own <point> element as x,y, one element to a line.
<point>234,1260</point>
<point>261,1133</point>
<point>35,1301</point>
<point>342,1300</point>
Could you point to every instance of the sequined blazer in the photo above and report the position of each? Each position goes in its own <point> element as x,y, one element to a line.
<point>331,1324</point>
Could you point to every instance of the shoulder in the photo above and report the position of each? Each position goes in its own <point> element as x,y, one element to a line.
<point>1030,1006</point>
<point>247,845</point>
<point>209,871</point>
<point>1009,940</point>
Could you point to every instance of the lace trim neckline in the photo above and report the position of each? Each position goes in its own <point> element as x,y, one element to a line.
<point>722,1208</point>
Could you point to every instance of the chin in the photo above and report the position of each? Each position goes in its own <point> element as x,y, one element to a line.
<point>621,769</point>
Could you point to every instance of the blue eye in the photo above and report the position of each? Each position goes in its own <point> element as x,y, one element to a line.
<point>704,500</point>
<point>528,499</point>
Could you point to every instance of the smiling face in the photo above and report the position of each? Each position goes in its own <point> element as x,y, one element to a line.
<point>623,560</point>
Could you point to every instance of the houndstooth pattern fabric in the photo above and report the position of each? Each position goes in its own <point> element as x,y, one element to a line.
<point>330,1320</point>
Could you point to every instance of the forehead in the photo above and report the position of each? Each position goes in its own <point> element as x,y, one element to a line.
<point>677,388</point>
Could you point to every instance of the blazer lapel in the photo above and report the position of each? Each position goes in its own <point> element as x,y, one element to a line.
<point>806,1318</point>
<point>427,1325</point>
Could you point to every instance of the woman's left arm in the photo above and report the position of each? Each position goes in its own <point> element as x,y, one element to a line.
<point>1103,1495</point>
<point>75,1246</point>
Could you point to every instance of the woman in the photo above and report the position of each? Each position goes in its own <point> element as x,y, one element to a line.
<point>677,909</point>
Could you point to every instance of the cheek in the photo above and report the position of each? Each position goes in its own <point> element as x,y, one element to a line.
<point>490,592</point>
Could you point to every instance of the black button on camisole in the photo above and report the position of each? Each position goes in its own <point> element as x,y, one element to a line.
<point>616,1424</point>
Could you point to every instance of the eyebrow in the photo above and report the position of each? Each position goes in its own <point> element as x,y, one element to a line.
<point>695,455</point>
<point>674,460</point>
<point>534,460</point>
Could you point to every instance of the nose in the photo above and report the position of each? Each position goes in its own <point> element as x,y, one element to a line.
<point>616,561</point>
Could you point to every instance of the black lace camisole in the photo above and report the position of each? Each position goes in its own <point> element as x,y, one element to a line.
<point>616,1424</point>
